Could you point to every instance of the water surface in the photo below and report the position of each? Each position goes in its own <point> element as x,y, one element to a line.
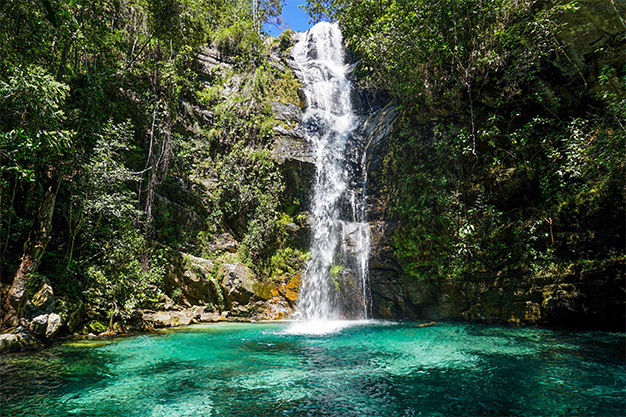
<point>365,369</point>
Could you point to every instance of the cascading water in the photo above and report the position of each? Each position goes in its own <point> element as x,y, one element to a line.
<point>335,284</point>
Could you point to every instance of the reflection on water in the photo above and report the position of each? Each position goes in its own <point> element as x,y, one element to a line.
<point>369,368</point>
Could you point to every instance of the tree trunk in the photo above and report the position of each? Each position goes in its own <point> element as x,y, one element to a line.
<point>31,257</point>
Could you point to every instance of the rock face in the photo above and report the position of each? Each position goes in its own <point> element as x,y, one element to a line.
<point>579,297</point>
<point>240,285</point>
<point>193,277</point>
<point>286,112</point>
<point>291,149</point>
<point>38,325</point>
<point>585,30</point>
<point>221,286</point>
<point>291,146</point>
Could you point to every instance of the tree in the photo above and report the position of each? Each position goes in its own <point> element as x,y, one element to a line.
<point>32,150</point>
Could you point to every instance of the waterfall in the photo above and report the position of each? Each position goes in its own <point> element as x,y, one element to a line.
<point>335,284</point>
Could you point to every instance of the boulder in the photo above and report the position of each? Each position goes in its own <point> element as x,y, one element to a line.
<point>223,243</point>
<point>76,318</point>
<point>43,300</point>
<point>38,326</point>
<point>183,320</point>
<point>240,285</point>
<point>53,326</point>
<point>206,317</point>
<point>159,319</point>
<point>17,341</point>
<point>192,275</point>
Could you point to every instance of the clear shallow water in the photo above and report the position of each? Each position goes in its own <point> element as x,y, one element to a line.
<point>367,369</point>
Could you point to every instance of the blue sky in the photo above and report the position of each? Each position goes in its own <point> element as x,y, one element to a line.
<point>294,18</point>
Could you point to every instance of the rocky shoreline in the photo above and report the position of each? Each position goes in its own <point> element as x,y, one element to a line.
<point>147,321</point>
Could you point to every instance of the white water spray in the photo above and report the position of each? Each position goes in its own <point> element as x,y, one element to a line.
<point>336,277</point>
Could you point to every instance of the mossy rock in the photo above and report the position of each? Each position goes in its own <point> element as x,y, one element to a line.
<point>95,326</point>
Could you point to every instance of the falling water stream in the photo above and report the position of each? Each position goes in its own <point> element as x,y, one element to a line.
<point>335,285</point>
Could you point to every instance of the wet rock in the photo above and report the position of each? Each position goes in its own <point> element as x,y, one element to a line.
<point>291,145</point>
<point>291,289</point>
<point>382,255</point>
<point>287,112</point>
<point>293,65</point>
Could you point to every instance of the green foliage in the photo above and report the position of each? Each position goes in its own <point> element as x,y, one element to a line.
<point>31,134</point>
<point>118,283</point>
<point>250,188</point>
<point>543,194</point>
<point>101,100</point>
<point>431,50</point>
<point>527,176</point>
<point>286,263</point>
